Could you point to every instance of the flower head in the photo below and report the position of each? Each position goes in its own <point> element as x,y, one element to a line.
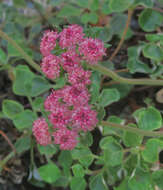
<point>54,100</point>
<point>69,60</point>
<point>48,42</point>
<point>50,66</point>
<point>71,36</point>
<point>76,95</point>
<point>84,118</point>
<point>65,138</point>
<point>40,131</point>
<point>60,117</point>
<point>92,50</point>
<point>79,76</point>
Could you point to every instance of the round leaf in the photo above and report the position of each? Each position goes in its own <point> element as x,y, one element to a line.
<point>49,172</point>
<point>109,96</point>
<point>119,5</point>
<point>11,108</point>
<point>150,19</point>
<point>149,119</point>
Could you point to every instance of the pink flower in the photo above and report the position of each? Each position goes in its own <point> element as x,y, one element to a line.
<point>40,131</point>
<point>69,60</point>
<point>60,117</point>
<point>79,76</point>
<point>84,118</point>
<point>54,100</point>
<point>76,95</point>
<point>50,66</point>
<point>65,138</point>
<point>71,36</point>
<point>48,42</point>
<point>92,50</point>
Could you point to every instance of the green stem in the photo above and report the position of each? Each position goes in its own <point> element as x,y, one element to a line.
<point>20,50</point>
<point>116,77</point>
<point>32,154</point>
<point>6,159</point>
<point>133,130</point>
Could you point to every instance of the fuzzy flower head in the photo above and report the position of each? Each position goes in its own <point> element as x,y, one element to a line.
<point>76,95</point>
<point>92,50</point>
<point>71,36</point>
<point>50,66</point>
<point>65,138</point>
<point>54,100</point>
<point>84,118</point>
<point>69,60</point>
<point>79,76</point>
<point>48,42</point>
<point>41,133</point>
<point>60,117</point>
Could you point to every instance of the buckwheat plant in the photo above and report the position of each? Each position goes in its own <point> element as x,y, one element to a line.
<point>69,109</point>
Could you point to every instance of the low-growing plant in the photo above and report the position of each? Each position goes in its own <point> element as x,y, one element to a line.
<point>73,140</point>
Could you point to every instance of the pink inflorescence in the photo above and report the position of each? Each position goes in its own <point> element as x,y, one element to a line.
<point>67,139</point>
<point>40,131</point>
<point>50,66</point>
<point>48,42</point>
<point>92,50</point>
<point>68,108</point>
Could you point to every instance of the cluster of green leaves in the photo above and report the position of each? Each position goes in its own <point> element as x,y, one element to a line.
<point>122,160</point>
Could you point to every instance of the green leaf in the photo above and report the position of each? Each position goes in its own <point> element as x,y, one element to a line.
<point>157,177</point>
<point>95,86</point>
<point>95,4</point>
<point>49,172</point>
<point>86,139</point>
<point>151,151</point>
<point>109,130</point>
<point>149,20</point>
<point>119,5</point>
<point>153,51</point>
<point>38,104</point>
<point>18,3</point>
<point>101,113</point>
<point>123,89</point>
<point>123,185</point>
<point>146,3</point>
<point>22,76</point>
<point>68,11</point>
<point>48,150</point>
<point>135,65</point>
<point>97,183</point>
<point>149,119</point>
<point>78,170</point>
<point>154,37</point>
<point>11,108</point>
<point>113,152</point>
<point>23,144</point>
<point>24,120</point>
<point>109,96</point>
<point>132,139</point>
<point>82,3</point>
<point>91,17</point>
<point>140,181</point>
<point>84,155</point>
<point>65,159</point>
<point>3,56</point>
<point>63,181</point>
<point>37,86</point>
<point>78,183</point>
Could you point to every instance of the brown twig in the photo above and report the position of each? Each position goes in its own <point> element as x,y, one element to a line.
<point>130,12</point>
<point>8,140</point>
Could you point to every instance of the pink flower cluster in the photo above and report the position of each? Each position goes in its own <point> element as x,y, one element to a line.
<point>68,108</point>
